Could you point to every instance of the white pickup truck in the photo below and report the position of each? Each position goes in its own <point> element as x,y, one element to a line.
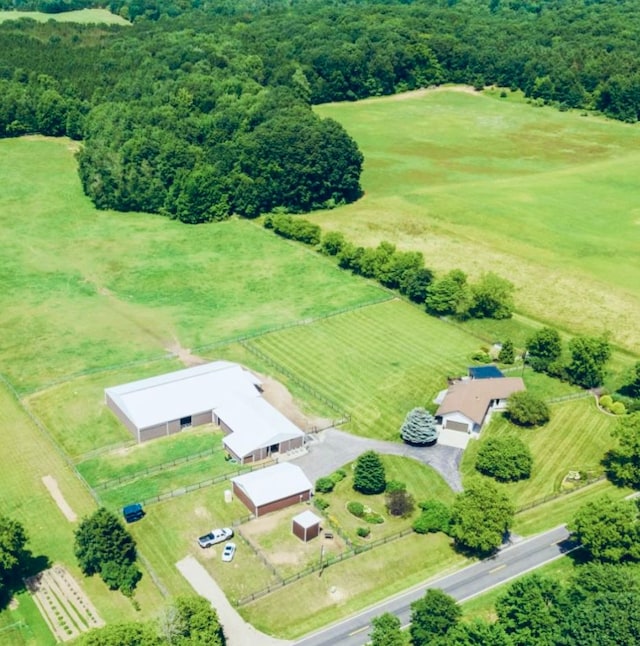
<point>215,536</point>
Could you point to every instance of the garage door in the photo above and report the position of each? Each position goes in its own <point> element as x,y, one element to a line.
<point>456,426</point>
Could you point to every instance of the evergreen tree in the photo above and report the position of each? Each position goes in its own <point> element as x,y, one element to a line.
<point>419,428</point>
<point>507,352</point>
<point>369,476</point>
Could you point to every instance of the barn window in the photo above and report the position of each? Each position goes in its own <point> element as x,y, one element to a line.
<point>185,421</point>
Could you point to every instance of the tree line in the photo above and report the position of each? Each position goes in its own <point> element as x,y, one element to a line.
<point>201,108</point>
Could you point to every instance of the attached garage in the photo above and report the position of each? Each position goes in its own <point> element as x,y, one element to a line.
<point>272,488</point>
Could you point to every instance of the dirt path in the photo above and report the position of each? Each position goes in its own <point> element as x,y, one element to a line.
<point>237,630</point>
<point>52,485</point>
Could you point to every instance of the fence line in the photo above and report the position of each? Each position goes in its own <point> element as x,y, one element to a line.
<point>114,482</point>
<point>260,554</point>
<point>181,491</point>
<point>285,326</point>
<point>559,494</point>
<point>345,417</point>
<point>331,560</point>
<point>563,398</point>
<point>47,434</point>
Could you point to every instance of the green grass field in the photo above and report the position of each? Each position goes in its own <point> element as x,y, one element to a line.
<point>576,438</point>
<point>135,284</point>
<point>376,363</point>
<point>83,16</point>
<point>545,198</point>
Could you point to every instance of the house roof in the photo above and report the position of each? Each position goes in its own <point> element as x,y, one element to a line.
<point>307,519</point>
<point>255,424</point>
<point>473,397</point>
<point>485,372</point>
<point>185,392</point>
<point>273,483</point>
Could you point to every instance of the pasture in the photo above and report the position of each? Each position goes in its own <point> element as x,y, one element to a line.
<point>136,286</point>
<point>83,16</point>
<point>543,197</point>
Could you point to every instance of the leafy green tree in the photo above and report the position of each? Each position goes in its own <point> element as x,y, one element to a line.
<point>507,352</point>
<point>492,297</point>
<point>623,462</point>
<point>129,634</point>
<point>504,458</point>
<point>544,348</point>
<point>415,283</point>
<point>608,530</point>
<point>480,517</point>
<point>531,610</point>
<point>449,295</point>
<point>13,553</point>
<point>433,616</point>
<point>526,409</point>
<point>368,475</point>
<point>632,389</point>
<point>419,427</point>
<point>196,623</point>
<point>386,631</point>
<point>476,633</point>
<point>435,517</point>
<point>103,546</point>
<point>589,356</point>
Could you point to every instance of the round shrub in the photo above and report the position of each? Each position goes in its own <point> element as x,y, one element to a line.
<point>505,459</point>
<point>338,475</point>
<point>356,508</point>
<point>618,408</point>
<point>606,401</point>
<point>525,409</point>
<point>320,503</point>
<point>324,485</point>
<point>363,532</point>
<point>374,518</point>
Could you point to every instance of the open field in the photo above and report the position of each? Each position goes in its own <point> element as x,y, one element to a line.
<point>136,285</point>
<point>576,438</point>
<point>376,363</point>
<point>84,16</point>
<point>542,197</point>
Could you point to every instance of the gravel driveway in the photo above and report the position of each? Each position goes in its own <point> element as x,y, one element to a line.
<point>331,449</point>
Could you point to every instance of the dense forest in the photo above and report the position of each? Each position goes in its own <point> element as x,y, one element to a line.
<point>202,108</point>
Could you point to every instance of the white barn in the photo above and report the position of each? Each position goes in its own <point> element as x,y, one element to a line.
<point>221,393</point>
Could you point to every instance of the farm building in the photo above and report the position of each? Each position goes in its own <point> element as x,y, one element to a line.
<point>467,403</point>
<point>272,488</point>
<point>221,393</point>
<point>306,525</point>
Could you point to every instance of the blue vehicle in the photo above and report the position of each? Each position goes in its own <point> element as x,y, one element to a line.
<point>133,512</point>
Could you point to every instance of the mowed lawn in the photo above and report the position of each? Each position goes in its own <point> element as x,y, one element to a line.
<point>135,285</point>
<point>576,439</point>
<point>544,198</point>
<point>376,363</point>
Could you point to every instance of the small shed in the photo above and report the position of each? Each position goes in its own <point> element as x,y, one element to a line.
<point>306,525</point>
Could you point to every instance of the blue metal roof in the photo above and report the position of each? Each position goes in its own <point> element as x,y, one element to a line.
<point>485,372</point>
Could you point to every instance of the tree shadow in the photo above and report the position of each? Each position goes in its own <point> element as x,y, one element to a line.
<point>14,581</point>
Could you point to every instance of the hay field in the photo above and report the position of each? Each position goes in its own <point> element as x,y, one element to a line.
<point>83,16</point>
<point>545,198</point>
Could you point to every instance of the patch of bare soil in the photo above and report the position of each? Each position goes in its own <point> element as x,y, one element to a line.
<point>279,397</point>
<point>52,486</point>
<point>65,607</point>
<point>184,355</point>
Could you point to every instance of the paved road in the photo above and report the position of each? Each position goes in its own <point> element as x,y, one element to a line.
<point>332,449</point>
<point>510,562</point>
